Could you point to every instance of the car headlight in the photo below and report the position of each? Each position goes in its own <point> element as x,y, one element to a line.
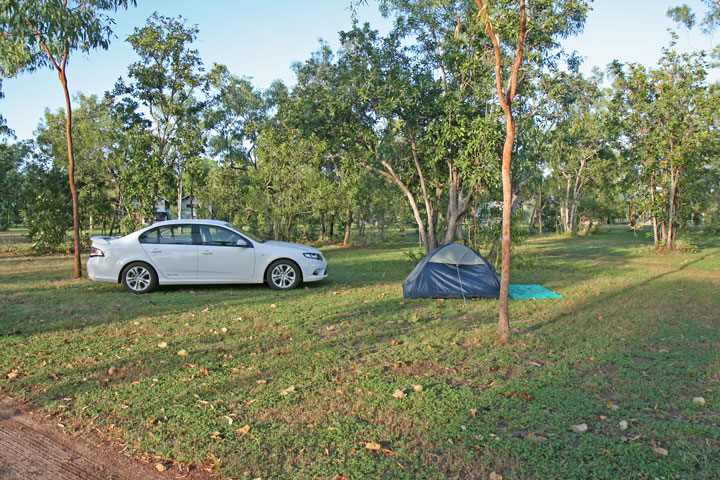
<point>314,256</point>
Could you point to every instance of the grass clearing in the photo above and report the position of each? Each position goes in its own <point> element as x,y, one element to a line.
<point>304,384</point>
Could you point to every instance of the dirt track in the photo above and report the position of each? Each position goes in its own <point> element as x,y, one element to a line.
<point>34,449</point>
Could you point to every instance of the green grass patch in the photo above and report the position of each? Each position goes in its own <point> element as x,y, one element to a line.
<point>300,384</point>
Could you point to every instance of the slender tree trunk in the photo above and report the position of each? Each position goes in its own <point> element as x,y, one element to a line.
<point>656,233</point>
<point>71,171</point>
<point>506,99</point>
<point>672,207</point>
<point>540,212</point>
<point>504,314</point>
<point>348,226</point>
<point>192,199</point>
<point>179,194</point>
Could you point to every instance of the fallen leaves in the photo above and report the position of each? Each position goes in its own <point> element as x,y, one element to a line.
<point>182,353</point>
<point>243,430</point>
<point>699,401</point>
<point>536,438</point>
<point>288,390</point>
<point>580,428</point>
<point>623,425</point>
<point>372,446</point>
<point>612,406</point>
<point>660,451</point>
<point>495,476</point>
<point>162,345</point>
<point>399,394</point>
<point>524,395</point>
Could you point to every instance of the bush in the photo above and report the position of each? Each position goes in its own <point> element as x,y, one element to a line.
<point>48,208</point>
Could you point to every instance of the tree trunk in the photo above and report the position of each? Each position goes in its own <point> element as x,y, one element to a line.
<point>179,195</point>
<point>504,314</point>
<point>672,208</point>
<point>656,233</point>
<point>540,220</point>
<point>348,225</point>
<point>71,171</point>
<point>506,100</point>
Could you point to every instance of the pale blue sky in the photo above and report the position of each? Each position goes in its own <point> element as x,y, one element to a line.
<point>261,39</point>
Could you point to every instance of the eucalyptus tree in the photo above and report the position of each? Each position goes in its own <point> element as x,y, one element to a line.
<point>233,118</point>
<point>378,105</point>
<point>289,189</point>
<point>35,34</point>
<point>317,106</point>
<point>165,81</point>
<point>575,143</point>
<point>497,42</point>
<point>669,118</point>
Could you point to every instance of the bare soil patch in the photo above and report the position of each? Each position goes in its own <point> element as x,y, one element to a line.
<point>32,448</point>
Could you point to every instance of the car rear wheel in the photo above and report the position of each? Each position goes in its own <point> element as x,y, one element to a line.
<point>283,275</point>
<point>139,277</point>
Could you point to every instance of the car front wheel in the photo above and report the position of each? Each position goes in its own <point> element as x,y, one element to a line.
<point>139,277</point>
<point>283,275</point>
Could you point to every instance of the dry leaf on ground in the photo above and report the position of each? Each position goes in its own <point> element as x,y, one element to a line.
<point>581,428</point>
<point>661,451</point>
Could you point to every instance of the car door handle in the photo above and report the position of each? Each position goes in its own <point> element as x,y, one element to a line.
<point>206,252</point>
<point>155,250</point>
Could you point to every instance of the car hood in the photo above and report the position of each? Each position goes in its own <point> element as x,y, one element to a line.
<point>291,246</point>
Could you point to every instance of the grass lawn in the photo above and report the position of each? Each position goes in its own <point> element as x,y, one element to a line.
<point>344,379</point>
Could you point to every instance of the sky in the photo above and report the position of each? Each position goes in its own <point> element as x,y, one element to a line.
<point>262,39</point>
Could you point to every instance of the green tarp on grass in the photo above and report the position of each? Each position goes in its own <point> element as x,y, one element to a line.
<point>531,292</point>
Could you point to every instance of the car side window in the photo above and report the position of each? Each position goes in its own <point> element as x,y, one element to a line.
<point>218,237</point>
<point>169,235</point>
<point>177,234</point>
<point>151,236</point>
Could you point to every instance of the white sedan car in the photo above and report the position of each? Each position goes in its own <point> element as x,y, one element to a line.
<point>200,252</point>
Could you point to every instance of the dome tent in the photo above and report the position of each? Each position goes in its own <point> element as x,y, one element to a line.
<point>452,271</point>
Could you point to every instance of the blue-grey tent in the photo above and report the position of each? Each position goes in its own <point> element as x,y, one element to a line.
<point>452,271</point>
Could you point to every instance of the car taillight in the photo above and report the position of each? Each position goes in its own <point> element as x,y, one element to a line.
<point>96,252</point>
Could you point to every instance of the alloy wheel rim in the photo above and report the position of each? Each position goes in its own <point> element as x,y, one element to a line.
<point>283,276</point>
<point>138,278</point>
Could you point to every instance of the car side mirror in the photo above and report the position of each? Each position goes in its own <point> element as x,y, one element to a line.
<point>241,243</point>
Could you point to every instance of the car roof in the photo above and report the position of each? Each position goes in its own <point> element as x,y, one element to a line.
<point>196,221</point>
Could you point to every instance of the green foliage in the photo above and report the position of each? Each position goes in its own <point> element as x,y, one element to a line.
<point>48,207</point>
<point>233,117</point>
<point>165,80</point>
<point>12,198</point>
<point>668,117</point>
<point>61,26</point>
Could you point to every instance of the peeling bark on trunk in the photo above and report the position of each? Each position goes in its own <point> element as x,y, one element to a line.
<point>506,100</point>
<point>71,170</point>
